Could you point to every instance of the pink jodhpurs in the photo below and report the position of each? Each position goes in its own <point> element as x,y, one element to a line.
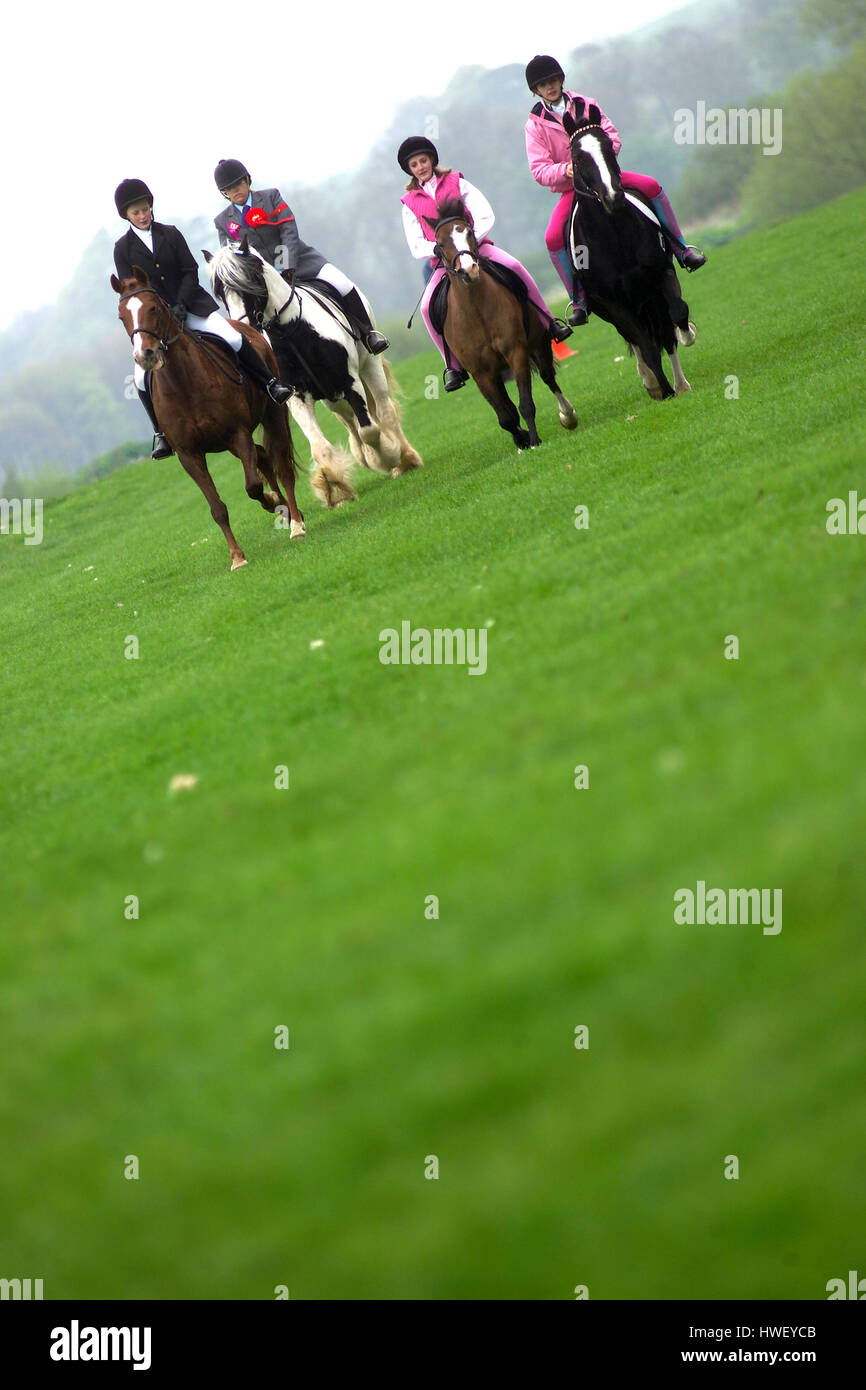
<point>554,237</point>
<point>493,253</point>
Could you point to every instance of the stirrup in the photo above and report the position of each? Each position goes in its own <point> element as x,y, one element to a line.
<point>277,391</point>
<point>160,447</point>
<point>375,342</point>
<point>577,315</point>
<point>559,330</point>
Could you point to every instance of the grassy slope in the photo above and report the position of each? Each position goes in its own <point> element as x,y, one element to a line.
<point>454,1037</point>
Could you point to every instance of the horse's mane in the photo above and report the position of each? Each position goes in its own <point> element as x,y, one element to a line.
<point>246,274</point>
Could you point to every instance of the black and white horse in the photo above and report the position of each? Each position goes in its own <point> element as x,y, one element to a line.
<point>321,359</point>
<point>616,245</point>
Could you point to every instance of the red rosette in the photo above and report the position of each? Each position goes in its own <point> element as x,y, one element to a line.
<point>254,217</point>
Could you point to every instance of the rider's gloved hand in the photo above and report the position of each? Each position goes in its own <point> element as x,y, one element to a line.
<point>179,313</point>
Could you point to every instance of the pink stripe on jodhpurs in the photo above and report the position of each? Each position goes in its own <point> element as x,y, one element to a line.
<point>493,253</point>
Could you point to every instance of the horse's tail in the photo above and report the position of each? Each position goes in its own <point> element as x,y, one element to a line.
<point>331,480</point>
<point>394,388</point>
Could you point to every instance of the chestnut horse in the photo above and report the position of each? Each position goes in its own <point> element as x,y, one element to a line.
<point>490,330</point>
<point>203,406</point>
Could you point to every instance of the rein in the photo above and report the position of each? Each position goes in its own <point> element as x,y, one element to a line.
<point>165,343</point>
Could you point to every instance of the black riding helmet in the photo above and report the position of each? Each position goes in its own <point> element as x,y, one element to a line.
<point>416,144</point>
<point>130,191</point>
<point>540,68</point>
<point>229,172</point>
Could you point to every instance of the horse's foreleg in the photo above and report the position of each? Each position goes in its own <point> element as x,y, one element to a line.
<point>492,389</point>
<point>649,368</point>
<point>331,480</point>
<point>681,386</point>
<point>364,439</point>
<point>394,448</point>
<point>519,364</point>
<point>196,466</point>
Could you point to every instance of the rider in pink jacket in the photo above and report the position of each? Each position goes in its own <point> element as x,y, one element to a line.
<point>549,153</point>
<point>429,188</point>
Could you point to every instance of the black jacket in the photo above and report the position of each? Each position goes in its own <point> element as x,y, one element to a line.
<point>171,267</point>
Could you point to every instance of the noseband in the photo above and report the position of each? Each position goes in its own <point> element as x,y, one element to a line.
<point>164,343</point>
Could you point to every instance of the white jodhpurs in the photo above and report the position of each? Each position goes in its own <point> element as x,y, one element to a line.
<point>202,323</point>
<point>342,284</point>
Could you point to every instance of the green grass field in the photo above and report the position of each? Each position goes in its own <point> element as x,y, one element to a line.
<point>305,907</point>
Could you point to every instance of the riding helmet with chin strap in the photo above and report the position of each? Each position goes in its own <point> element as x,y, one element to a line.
<point>229,172</point>
<point>130,191</point>
<point>540,69</point>
<point>416,144</point>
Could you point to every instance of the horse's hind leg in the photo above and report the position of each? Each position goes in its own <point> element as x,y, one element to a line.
<point>279,455</point>
<point>196,466</point>
<point>364,446</point>
<point>679,312</point>
<point>267,472</point>
<point>542,355</point>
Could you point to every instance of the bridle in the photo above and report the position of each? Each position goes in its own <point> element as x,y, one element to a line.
<point>453,269</point>
<point>164,343</point>
<point>585,191</point>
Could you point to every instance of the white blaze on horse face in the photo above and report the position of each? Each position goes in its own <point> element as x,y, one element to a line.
<point>460,242</point>
<point>134,306</point>
<point>591,145</point>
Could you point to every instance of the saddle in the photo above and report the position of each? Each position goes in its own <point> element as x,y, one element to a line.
<point>502,273</point>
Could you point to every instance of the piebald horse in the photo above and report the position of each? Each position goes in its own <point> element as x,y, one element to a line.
<point>203,407</point>
<point>617,247</point>
<point>491,331</point>
<point>320,358</point>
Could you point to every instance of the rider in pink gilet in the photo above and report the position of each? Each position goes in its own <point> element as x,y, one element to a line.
<point>549,153</point>
<point>429,188</point>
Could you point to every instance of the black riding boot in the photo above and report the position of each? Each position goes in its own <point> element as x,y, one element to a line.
<point>374,341</point>
<point>160,449</point>
<point>252,364</point>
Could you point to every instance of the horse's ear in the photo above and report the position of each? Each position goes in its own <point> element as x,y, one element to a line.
<point>431,222</point>
<point>594,114</point>
<point>245,245</point>
<point>569,123</point>
<point>116,285</point>
<point>207,255</point>
<point>140,275</point>
<point>579,109</point>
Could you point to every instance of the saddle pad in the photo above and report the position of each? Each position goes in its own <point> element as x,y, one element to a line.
<point>502,273</point>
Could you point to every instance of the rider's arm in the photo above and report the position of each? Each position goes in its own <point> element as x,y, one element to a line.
<point>476,203</point>
<point>188,269</point>
<point>421,248</point>
<point>287,227</point>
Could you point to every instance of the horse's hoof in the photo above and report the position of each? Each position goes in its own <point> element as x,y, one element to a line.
<point>683,388</point>
<point>297,530</point>
<point>238,564</point>
<point>655,392</point>
<point>568,422</point>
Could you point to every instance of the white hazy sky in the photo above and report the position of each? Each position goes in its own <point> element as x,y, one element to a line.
<point>97,91</point>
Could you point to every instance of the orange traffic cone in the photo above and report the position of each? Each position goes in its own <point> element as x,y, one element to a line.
<point>562,350</point>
